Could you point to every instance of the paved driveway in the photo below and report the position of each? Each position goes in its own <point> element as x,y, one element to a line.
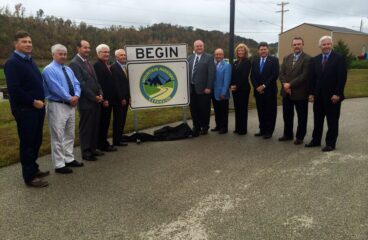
<point>211,187</point>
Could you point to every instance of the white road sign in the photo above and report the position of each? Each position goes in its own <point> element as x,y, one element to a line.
<point>156,52</point>
<point>158,84</point>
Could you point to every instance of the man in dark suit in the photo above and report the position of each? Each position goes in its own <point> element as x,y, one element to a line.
<point>328,75</point>
<point>294,91</point>
<point>264,74</point>
<point>201,75</point>
<point>26,97</point>
<point>121,83</point>
<point>89,102</point>
<point>104,77</point>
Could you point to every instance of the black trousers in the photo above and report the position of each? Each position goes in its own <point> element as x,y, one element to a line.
<point>323,107</point>
<point>241,99</point>
<point>267,110</point>
<point>221,112</point>
<point>119,113</point>
<point>89,123</point>
<point>200,109</point>
<point>301,107</point>
<point>29,125</point>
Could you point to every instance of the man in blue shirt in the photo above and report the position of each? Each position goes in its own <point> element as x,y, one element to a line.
<point>62,90</point>
<point>24,82</point>
<point>221,94</point>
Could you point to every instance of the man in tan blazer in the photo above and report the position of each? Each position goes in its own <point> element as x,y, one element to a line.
<point>294,91</point>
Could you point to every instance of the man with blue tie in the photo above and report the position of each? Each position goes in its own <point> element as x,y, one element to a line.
<point>26,96</point>
<point>62,90</point>
<point>221,94</point>
<point>264,74</point>
<point>328,73</point>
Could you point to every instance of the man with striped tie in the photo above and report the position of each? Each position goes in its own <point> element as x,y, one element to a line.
<point>294,91</point>
<point>122,97</point>
<point>201,75</point>
<point>62,90</point>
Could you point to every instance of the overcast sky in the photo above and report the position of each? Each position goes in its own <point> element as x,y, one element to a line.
<point>256,19</point>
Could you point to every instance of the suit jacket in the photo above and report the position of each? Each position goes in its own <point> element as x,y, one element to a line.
<point>121,81</point>
<point>269,74</point>
<point>331,80</point>
<point>105,79</point>
<point>296,75</point>
<point>222,80</point>
<point>24,82</point>
<point>88,82</point>
<point>240,76</point>
<point>205,73</point>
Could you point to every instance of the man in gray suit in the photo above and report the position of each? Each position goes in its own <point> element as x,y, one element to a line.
<point>294,91</point>
<point>89,102</point>
<point>201,74</point>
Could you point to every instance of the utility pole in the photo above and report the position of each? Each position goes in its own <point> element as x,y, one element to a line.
<point>282,4</point>
<point>361,25</point>
<point>231,33</point>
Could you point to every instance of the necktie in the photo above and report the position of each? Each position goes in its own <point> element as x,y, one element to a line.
<point>262,64</point>
<point>70,84</point>
<point>89,67</point>
<point>324,60</point>
<point>195,65</point>
<point>295,59</point>
<point>125,71</point>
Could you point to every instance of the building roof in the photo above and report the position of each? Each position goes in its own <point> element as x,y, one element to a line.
<point>336,29</point>
<point>332,28</point>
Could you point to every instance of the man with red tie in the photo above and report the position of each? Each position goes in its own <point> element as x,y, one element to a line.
<point>328,75</point>
<point>89,103</point>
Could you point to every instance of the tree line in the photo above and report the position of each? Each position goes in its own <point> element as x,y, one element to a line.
<point>48,30</point>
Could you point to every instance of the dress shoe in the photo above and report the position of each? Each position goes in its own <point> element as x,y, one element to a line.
<point>285,138</point>
<point>74,163</point>
<point>222,131</point>
<point>97,153</point>
<point>195,134</point>
<point>63,170</point>
<point>204,131</point>
<point>298,141</point>
<point>259,134</point>
<point>235,131</point>
<point>216,129</point>
<point>267,136</point>
<point>89,158</point>
<point>41,174</point>
<point>328,148</point>
<point>242,132</point>
<point>121,144</point>
<point>109,149</point>
<point>312,144</point>
<point>37,183</point>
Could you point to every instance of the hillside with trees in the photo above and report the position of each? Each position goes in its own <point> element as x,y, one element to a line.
<point>48,30</point>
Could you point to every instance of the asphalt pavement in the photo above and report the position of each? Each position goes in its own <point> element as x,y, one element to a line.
<point>210,187</point>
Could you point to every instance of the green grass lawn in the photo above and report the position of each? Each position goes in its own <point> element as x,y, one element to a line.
<point>356,86</point>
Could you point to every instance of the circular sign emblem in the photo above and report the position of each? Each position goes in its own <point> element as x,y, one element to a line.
<point>158,84</point>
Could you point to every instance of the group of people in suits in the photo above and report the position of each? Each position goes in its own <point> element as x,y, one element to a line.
<point>97,90</point>
<point>101,90</point>
<point>304,79</point>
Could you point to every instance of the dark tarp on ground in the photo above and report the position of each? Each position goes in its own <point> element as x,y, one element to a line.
<point>166,133</point>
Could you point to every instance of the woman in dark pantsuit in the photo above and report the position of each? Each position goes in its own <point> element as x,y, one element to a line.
<point>240,87</point>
